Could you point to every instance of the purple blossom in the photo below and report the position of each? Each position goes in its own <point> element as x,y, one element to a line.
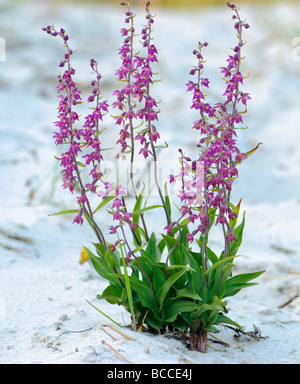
<point>218,151</point>
<point>112,230</point>
<point>78,138</point>
<point>134,99</point>
<point>117,203</point>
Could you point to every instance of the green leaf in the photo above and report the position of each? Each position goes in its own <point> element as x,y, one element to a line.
<point>186,292</point>
<point>184,232</point>
<point>140,264</point>
<point>185,267</point>
<point>80,164</point>
<point>238,233</point>
<point>223,274</point>
<point>249,153</point>
<point>170,241</point>
<point>167,201</point>
<point>212,214</point>
<point>152,248</point>
<point>236,283</point>
<point>104,269</point>
<point>89,221</point>
<point>137,207</point>
<point>128,288</point>
<point>180,306</point>
<point>192,259</point>
<point>143,292</point>
<point>104,314</point>
<point>176,256</point>
<point>154,321</point>
<point>203,308</point>
<point>66,212</point>
<point>226,320</point>
<point>138,231</point>
<point>103,203</point>
<point>100,249</point>
<point>111,294</point>
<point>195,275</point>
<point>109,258</point>
<point>184,222</point>
<point>136,216</point>
<point>158,275</point>
<point>142,210</point>
<point>137,249</point>
<point>244,277</point>
<point>236,210</point>
<point>149,257</point>
<point>218,263</point>
<point>214,306</point>
<point>167,286</point>
<point>161,245</point>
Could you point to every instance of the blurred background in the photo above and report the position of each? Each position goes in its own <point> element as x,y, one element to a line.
<point>173,3</point>
<point>28,74</point>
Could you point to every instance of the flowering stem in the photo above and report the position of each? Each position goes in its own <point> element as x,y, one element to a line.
<point>140,265</point>
<point>88,211</point>
<point>150,129</point>
<point>131,125</point>
<point>239,27</point>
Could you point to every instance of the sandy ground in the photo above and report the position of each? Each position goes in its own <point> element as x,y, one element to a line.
<point>44,313</point>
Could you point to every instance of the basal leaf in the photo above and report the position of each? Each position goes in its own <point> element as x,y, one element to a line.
<point>236,283</point>
<point>218,263</point>
<point>244,277</point>
<point>221,319</point>
<point>195,275</point>
<point>185,267</point>
<point>111,294</point>
<point>104,269</point>
<point>167,286</point>
<point>152,249</point>
<point>143,291</point>
<point>177,307</point>
<point>214,306</point>
<point>186,292</point>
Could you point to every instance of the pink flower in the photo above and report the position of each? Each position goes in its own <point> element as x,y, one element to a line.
<point>117,216</point>
<point>190,85</point>
<point>112,230</point>
<point>78,219</point>
<point>117,203</point>
<point>145,152</point>
<point>121,191</point>
<point>190,238</point>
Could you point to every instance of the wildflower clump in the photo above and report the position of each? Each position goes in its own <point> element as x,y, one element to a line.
<point>169,279</point>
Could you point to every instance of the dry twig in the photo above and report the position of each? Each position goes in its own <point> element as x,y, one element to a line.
<point>116,352</point>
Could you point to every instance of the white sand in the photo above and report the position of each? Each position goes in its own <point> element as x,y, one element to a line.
<point>44,315</point>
